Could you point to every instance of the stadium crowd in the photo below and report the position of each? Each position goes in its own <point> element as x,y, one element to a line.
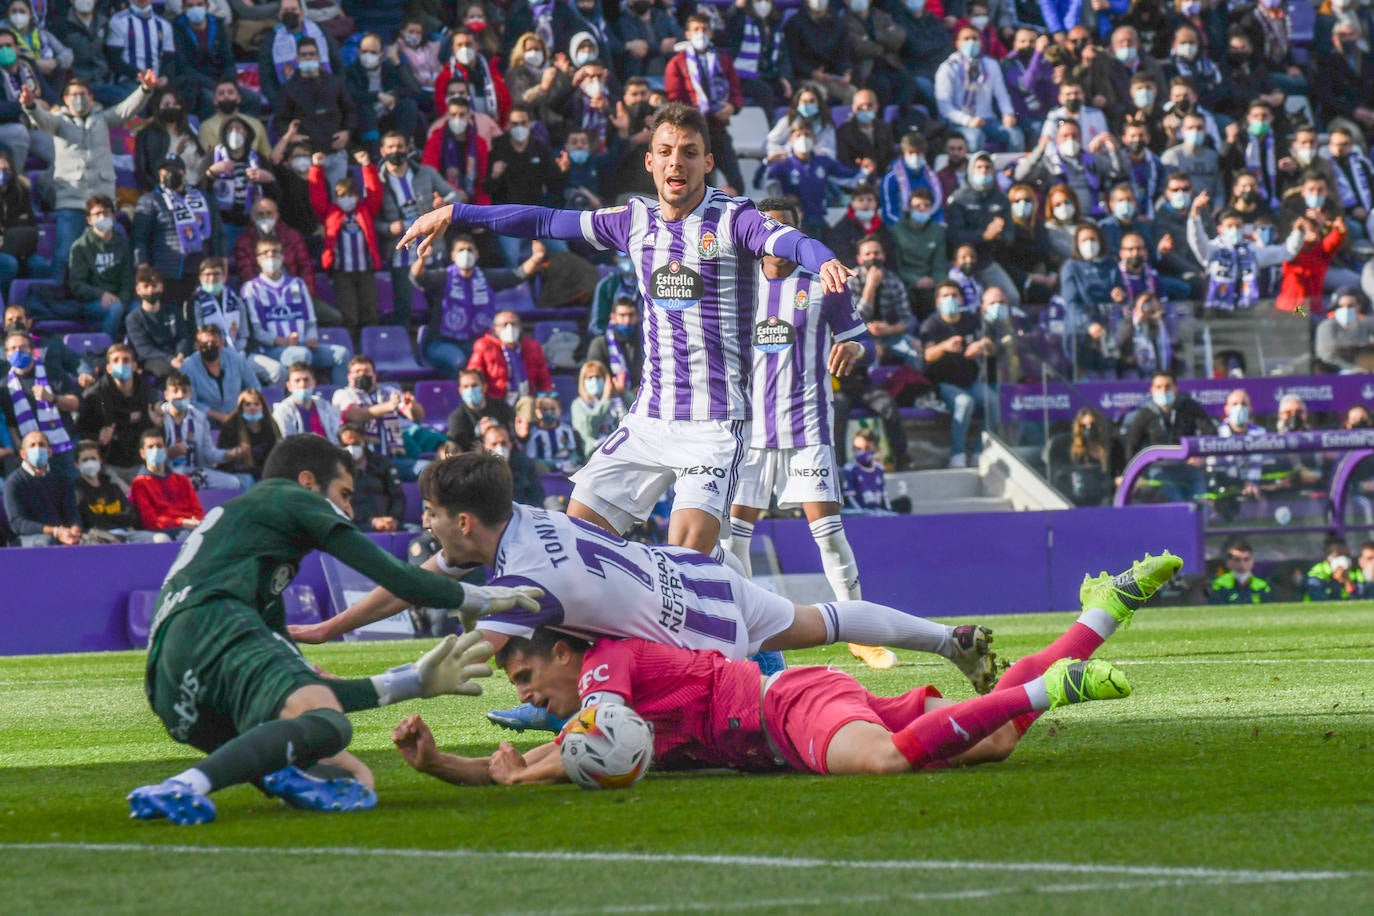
<point>200,203</point>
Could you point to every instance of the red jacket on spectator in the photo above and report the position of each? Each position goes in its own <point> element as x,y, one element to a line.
<point>164,501</point>
<point>293,252</point>
<point>453,70</point>
<point>1304,276</point>
<point>332,217</point>
<point>677,82</point>
<point>487,356</point>
<point>433,157</point>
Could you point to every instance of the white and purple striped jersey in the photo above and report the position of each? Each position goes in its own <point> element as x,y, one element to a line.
<point>597,584</point>
<point>698,277</point>
<point>280,307</point>
<point>794,326</point>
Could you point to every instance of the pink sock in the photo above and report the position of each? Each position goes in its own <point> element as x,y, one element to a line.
<point>950,730</point>
<point>1079,642</point>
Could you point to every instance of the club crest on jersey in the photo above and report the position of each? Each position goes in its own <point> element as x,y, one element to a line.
<point>708,247</point>
<point>801,300</point>
<point>773,335</point>
<point>675,286</point>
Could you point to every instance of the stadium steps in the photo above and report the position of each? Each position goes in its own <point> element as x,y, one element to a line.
<point>945,492</point>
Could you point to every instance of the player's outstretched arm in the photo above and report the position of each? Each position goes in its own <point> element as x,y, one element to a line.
<point>508,767</point>
<point>415,743</point>
<point>764,236</point>
<point>518,220</point>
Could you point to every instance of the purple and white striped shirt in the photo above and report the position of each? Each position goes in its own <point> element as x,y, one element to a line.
<point>350,247</point>
<point>794,325</point>
<point>699,279</point>
<point>280,307</point>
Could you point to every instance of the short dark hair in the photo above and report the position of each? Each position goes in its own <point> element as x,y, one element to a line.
<point>471,482</point>
<point>99,200</point>
<point>307,452</point>
<point>148,274</point>
<point>300,367</point>
<point>151,433</point>
<point>87,445</point>
<point>1240,544</point>
<point>307,41</point>
<point>785,204</point>
<point>539,644</point>
<point>683,117</point>
<point>177,378</point>
<point>362,359</point>
<point>213,330</point>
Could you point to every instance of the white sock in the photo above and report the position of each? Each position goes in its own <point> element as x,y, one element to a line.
<point>837,558</point>
<point>198,781</point>
<point>1099,621</point>
<point>741,534</point>
<point>1039,696</point>
<point>870,624</point>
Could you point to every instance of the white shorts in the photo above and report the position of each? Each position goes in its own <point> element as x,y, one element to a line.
<point>797,475</point>
<point>640,460</point>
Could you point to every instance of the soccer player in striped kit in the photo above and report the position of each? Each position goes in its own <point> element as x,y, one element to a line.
<point>791,452</point>
<point>695,253</point>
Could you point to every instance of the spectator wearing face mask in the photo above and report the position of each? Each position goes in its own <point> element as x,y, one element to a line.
<point>456,149</point>
<point>1232,263</point>
<point>1234,474</point>
<point>860,221</point>
<point>284,323</point>
<point>382,412</point>
<point>1346,66</point>
<point>807,176</point>
<point>876,42</point>
<point>379,500</point>
<point>291,163</point>
<point>1086,462</point>
<point>175,228</point>
<point>166,137</point>
<point>881,301</point>
<point>1344,340</point>
<point>267,224</point>
<point>317,97</point>
<point>488,92</point>
<point>1028,258</point>
<point>621,348</point>
<point>596,411</point>
<point>1194,158</point>
<point>100,269</point>
<point>191,449</point>
<point>512,363</point>
<point>973,97</point>
<point>158,328</point>
<point>103,502</point>
<point>553,443</point>
<point>703,76</point>
<point>304,409</point>
<point>385,91</point>
<point>1336,578</point>
<point>251,426</point>
<point>41,504</point>
<point>166,500</point>
<point>230,102</point>
<point>1239,584</point>
<point>466,420</point>
<point>818,44</point>
<point>86,30</point>
<point>919,249</point>
<point>238,177</point>
<point>906,173</point>
<point>1074,107</point>
<point>622,283</point>
<point>980,215</point>
<point>527,489</point>
<point>1030,79</point>
<point>279,57</point>
<point>956,348</point>
<point>204,54</point>
<point>116,410</point>
<point>1090,171</point>
<point>220,374</point>
<point>351,255</point>
<point>1305,275</point>
<point>140,41</point>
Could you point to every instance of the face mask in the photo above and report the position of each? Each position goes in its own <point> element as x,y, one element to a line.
<point>36,455</point>
<point>365,382</point>
<point>1136,147</point>
<point>817,6</point>
<point>1134,263</point>
<point>471,396</point>
<point>173,181</point>
<point>915,7</point>
<point>466,55</point>
<point>549,419</point>
<point>1231,235</point>
<point>270,266</point>
<point>8,56</point>
<point>1163,399</point>
<point>1345,316</point>
<point>595,385</point>
<point>21,360</point>
<point>621,329</point>
<point>700,42</point>
<point>1314,201</point>
<point>1074,105</point>
<point>236,140</point>
<point>20,21</point>
<point>980,181</point>
<point>864,216</point>
<point>209,353</point>
<point>84,7</point>
<point>1089,249</point>
<point>291,19</point>
<point>1237,57</point>
<point>356,451</point>
<point>1143,98</point>
<point>1304,154</point>
<point>583,58</point>
<point>808,109</point>
<point>300,165</point>
<point>803,146</point>
<point>155,457</point>
<point>978,22</point>
<point>213,289</point>
<point>1069,149</point>
<point>534,58</point>
<point>154,300</point>
<point>920,217</point>
<point>1193,138</point>
<point>520,133</point>
<point>1186,51</point>
<point>580,156</point>
<point>1063,212</point>
<point>412,40</point>
<point>252,416</point>
<point>1123,209</point>
<point>180,404</point>
<point>265,226</point>
<point>949,306</point>
<point>1238,415</point>
<point>914,161</point>
<point>1179,200</point>
<point>371,60</point>
<point>309,67</point>
<point>508,334</point>
<point>102,224</point>
<point>396,157</point>
<point>348,203</point>
<point>196,14</point>
<point>1257,128</point>
<point>763,10</point>
<point>993,312</point>
<point>863,456</point>
<point>864,116</point>
<point>593,89</point>
<point>458,124</point>
<point>303,395</point>
<point>90,468</point>
<point>80,105</point>
<point>1264,235</point>
<point>858,7</point>
<point>970,48</point>
<point>121,372</point>
<point>227,106</point>
<point>465,259</point>
<point>1126,55</point>
<point>499,451</point>
<point>1022,209</point>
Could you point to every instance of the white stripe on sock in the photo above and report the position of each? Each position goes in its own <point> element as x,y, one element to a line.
<point>1099,621</point>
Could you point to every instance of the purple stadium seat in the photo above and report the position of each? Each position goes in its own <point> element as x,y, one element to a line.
<point>565,386</point>
<point>439,398</point>
<point>20,289</point>
<point>273,395</point>
<point>543,330</point>
<point>301,605</point>
<point>324,287</point>
<point>87,343</point>
<point>517,299</point>
<point>337,336</point>
<point>47,239</point>
<point>386,304</point>
<point>389,348</point>
<point>890,113</point>
<point>839,114</point>
<point>326,391</point>
<point>139,617</point>
<point>414,504</point>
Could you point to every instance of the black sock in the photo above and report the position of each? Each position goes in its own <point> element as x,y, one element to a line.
<point>270,746</point>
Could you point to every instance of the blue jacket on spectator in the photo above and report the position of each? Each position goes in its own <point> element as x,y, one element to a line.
<point>31,502</point>
<point>222,394</point>
<point>1088,283</point>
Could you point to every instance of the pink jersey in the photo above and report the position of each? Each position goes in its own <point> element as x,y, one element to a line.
<point>705,708</point>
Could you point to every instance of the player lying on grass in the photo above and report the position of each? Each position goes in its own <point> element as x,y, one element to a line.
<point>597,584</point>
<point>222,674</point>
<point>713,711</point>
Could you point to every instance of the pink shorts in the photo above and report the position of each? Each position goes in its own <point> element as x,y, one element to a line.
<point>803,708</point>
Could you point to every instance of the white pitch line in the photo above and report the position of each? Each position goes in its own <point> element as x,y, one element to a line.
<point>592,856</point>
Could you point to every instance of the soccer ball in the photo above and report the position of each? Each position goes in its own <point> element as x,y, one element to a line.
<point>607,747</point>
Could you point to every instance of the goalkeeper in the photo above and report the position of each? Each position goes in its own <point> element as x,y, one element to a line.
<point>223,675</point>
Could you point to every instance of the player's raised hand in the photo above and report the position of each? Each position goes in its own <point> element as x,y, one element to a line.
<point>835,276</point>
<point>450,667</point>
<point>414,741</point>
<point>481,600</point>
<point>428,230</point>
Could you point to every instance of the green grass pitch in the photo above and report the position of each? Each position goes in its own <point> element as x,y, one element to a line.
<point>1238,777</point>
